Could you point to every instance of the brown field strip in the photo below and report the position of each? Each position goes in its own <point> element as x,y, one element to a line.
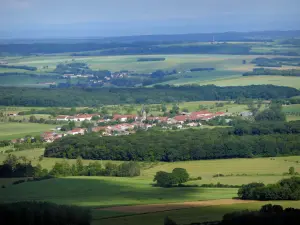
<point>172,206</point>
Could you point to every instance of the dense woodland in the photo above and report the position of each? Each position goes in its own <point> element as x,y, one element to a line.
<point>16,96</point>
<point>184,145</point>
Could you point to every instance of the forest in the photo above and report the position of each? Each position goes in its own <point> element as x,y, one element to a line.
<point>50,97</point>
<point>177,146</point>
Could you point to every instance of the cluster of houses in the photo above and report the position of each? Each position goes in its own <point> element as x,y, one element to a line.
<point>77,75</point>
<point>127,124</point>
<point>76,118</point>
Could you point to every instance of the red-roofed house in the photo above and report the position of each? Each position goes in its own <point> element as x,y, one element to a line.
<point>76,131</point>
<point>181,119</point>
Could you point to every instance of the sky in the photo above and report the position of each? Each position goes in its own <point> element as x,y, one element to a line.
<point>132,17</point>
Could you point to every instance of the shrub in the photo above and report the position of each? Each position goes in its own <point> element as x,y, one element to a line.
<point>129,169</point>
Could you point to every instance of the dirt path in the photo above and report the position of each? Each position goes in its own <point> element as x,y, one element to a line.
<point>172,206</point>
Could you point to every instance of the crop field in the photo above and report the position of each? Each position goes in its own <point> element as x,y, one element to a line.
<point>117,63</point>
<point>18,130</point>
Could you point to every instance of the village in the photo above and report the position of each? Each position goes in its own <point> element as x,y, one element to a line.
<point>128,124</point>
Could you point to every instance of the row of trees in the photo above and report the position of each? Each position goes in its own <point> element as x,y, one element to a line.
<point>21,167</point>
<point>273,72</point>
<point>126,169</point>
<point>158,94</point>
<point>30,68</point>
<point>286,189</point>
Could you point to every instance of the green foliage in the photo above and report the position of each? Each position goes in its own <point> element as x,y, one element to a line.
<point>292,170</point>
<point>158,94</point>
<point>286,189</point>
<point>192,144</point>
<point>273,72</point>
<point>181,175</point>
<point>129,169</point>
<point>272,114</point>
<point>43,213</point>
<point>164,179</point>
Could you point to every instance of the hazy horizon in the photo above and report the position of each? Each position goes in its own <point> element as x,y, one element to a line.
<point>91,18</point>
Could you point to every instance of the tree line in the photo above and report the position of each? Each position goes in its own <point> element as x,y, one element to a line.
<point>54,97</point>
<point>174,146</point>
<point>276,62</point>
<point>14,166</point>
<point>273,72</point>
<point>22,67</point>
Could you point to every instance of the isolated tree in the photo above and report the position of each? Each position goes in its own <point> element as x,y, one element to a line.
<point>292,170</point>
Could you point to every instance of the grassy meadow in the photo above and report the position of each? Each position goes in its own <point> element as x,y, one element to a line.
<point>10,131</point>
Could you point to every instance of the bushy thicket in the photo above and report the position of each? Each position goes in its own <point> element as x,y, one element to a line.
<point>17,96</point>
<point>286,189</point>
<point>43,213</point>
<point>165,179</point>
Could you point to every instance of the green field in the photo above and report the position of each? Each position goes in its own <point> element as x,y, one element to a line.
<point>117,63</point>
<point>10,131</point>
<point>98,192</point>
<point>256,80</point>
<point>229,69</point>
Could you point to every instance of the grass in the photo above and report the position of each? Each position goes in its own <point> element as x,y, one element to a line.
<point>10,131</point>
<point>256,80</point>
<point>291,108</point>
<point>107,191</point>
<point>186,216</point>
<point>267,170</point>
